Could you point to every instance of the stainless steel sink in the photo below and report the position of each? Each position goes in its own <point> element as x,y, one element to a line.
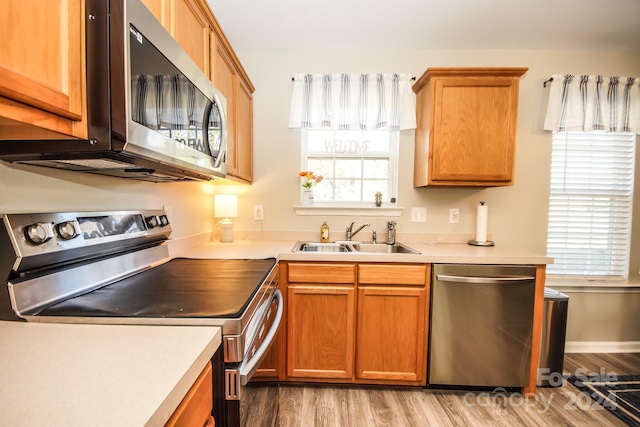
<point>355,247</point>
<point>322,247</point>
<point>396,248</point>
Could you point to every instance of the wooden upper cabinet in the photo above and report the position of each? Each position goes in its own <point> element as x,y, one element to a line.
<point>225,77</point>
<point>230,78</point>
<point>191,29</point>
<point>188,23</point>
<point>467,123</point>
<point>42,68</point>
<point>244,132</point>
<point>158,8</point>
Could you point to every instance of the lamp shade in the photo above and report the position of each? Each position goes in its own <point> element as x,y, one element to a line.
<point>225,205</point>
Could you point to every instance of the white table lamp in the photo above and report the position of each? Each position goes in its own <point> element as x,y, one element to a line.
<point>226,206</point>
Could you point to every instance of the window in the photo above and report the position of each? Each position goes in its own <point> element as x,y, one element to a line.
<point>590,205</point>
<point>355,164</point>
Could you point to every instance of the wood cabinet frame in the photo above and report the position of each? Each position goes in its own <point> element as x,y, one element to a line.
<point>467,125</point>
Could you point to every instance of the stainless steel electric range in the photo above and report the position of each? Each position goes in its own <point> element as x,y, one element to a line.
<point>115,268</point>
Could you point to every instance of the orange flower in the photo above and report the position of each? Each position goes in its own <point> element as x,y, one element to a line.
<point>309,179</point>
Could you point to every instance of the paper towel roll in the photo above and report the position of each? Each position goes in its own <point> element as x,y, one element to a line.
<point>481,223</point>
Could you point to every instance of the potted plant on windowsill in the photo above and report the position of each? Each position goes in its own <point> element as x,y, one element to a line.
<point>309,179</point>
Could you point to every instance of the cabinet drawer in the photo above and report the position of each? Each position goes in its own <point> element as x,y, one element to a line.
<point>384,274</point>
<point>322,273</point>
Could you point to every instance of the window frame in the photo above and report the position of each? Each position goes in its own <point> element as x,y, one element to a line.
<point>393,170</point>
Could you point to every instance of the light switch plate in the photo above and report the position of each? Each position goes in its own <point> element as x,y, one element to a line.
<point>418,214</point>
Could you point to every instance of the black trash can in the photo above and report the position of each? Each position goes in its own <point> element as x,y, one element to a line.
<point>554,332</point>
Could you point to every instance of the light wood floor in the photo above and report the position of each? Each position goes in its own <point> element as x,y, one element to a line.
<point>310,406</point>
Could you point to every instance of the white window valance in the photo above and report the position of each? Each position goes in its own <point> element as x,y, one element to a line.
<point>353,101</point>
<point>592,103</point>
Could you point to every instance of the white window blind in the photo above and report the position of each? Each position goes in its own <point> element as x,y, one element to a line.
<point>590,204</point>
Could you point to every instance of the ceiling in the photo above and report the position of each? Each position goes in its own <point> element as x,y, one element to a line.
<point>596,25</point>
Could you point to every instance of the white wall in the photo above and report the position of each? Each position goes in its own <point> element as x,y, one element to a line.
<point>34,189</point>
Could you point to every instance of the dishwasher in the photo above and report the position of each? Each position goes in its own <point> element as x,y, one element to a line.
<point>481,325</point>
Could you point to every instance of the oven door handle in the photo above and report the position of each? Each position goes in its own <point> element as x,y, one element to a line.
<point>246,370</point>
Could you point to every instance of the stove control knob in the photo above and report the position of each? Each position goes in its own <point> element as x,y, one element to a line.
<point>39,232</point>
<point>152,221</point>
<point>164,221</point>
<point>67,230</point>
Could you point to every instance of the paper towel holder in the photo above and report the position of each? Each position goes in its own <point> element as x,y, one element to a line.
<point>474,242</point>
<point>485,243</point>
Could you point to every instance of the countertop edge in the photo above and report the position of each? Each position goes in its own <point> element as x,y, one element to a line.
<point>429,253</point>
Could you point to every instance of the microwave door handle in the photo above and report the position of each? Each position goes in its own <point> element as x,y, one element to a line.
<point>246,370</point>
<point>223,132</point>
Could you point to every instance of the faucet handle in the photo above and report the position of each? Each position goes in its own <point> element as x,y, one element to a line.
<point>391,224</point>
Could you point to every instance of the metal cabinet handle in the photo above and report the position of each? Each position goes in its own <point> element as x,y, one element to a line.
<point>467,279</point>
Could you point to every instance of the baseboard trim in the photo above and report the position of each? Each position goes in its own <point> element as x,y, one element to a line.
<point>602,347</point>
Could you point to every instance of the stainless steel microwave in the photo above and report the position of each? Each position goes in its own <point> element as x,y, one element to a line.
<point>152,114</point>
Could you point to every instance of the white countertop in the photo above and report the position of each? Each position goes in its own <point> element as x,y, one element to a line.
<point>98,375</point>
<point>458,253</point>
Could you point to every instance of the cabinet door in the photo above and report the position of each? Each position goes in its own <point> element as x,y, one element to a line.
<point>467,123</point>
<point>391,334</point>
<point>190,28</point>
<point>41,64</point>
<point>195,408</point>
<point>158,8</point>
<point>320,332</point>
<point>244,132</point>
<point>224,77</point>
<point>474,130</point>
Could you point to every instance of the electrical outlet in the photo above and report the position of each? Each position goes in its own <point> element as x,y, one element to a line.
<point>258,213</point>
<point>454,216</point>
<point>418,214</point>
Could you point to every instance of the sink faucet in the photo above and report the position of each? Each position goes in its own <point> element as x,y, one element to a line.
<point>391,232</point>
<point>350,233</point>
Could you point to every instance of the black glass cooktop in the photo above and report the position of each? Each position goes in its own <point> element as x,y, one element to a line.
<point>182,287</point>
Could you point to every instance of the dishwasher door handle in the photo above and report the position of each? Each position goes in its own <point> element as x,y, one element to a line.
<point>468,279</point>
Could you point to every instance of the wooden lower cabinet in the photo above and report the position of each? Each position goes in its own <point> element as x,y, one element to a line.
<point>392,316</point>
<point>321,321</point>
<point>321,330</point>
<point>391,334</point>
<point>195,408</point>
<point>357,323</point>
